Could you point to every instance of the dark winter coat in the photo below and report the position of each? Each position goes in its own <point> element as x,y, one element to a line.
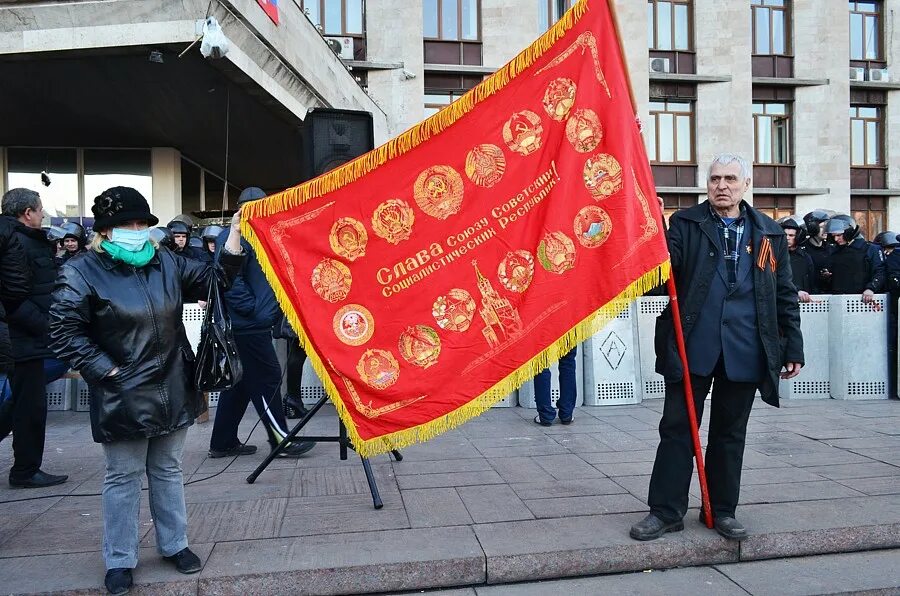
<point>28,322</point>
<point>251,302</point>
<point>696,250</point>
<point>856,267</point>
<point>107,314</point>
<point>803,271</point>
<point>15,285</point>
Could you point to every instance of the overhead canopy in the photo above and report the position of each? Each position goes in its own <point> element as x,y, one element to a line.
<point>121,99</point>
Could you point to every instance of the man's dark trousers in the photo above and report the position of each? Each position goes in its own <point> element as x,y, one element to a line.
<point>671,479</point>
<point>29,417</point>
<point>260,382</point>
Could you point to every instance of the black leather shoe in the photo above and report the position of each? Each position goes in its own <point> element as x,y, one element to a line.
<point>651,528</point>
<point>730,528</point>
<point>40,479</point>
<point>185,561</point>
<point>295,450</point>
<point>118,580</point>
<point>537,420</point>
<point>239,450</point>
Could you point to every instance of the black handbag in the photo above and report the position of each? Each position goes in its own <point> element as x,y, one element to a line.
<point>218,365</point>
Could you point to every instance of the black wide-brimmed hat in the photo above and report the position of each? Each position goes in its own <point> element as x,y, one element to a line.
<point>120,204</point>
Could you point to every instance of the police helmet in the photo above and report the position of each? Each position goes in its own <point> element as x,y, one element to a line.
<point>211,232</point>
<point>55,233</point>
<point>179,227</point>
<point>195,241</point>
<point>163,237</point>
<point>813,219</point>
<point>887,239</point>
<point>75,230</point>
<point>843,224</point>
<point>793,222</point>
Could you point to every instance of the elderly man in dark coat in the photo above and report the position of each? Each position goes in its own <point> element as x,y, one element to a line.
<point>742,327</point>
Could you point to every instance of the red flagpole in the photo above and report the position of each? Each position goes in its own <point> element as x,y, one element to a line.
<point>679,332</point>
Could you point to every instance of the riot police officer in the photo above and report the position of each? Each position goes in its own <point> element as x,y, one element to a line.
<point>815,246</point>
<point>163,237</point>
<point>74,241</point>
<point>886,242</point>
<point>890,240</point>
<point>181,233</point>
<point>802,266</point>
<point>209,235</point>
<point>857,267</point>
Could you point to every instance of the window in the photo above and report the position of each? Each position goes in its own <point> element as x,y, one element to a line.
<point>865,31</point>
<point>455,20</point>
<point>771,27</point>
<point>871,215</point>
<point>772,131</point>
<point>668,25</point>
<point>336,17</point>
<point>550,11</point>
<point>775,206</point>
<point>669,133</point>
<point>105,168</point>
<point>78,175</point>
<point>435,101</point>
<point>866,125</point>
<point>673,203</point>
<point>24,167</point>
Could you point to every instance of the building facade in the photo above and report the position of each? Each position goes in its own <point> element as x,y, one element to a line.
<point>806,88</point>
<point>97,94</point>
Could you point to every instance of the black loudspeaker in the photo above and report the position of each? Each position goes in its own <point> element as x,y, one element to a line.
<point>334,137</point>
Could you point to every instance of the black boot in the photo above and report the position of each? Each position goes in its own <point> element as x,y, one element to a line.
<point>118,580</point>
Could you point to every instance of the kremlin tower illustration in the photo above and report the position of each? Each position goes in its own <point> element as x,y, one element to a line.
<point>496,311</point>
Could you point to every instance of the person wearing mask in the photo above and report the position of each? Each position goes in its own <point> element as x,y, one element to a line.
<point>818,250</point>
<point>116,317</point>
<point>741,326</point>
<point>857,267</point>
<point>181,235</point>
<point>254,312</point>
<point>803,269</point>
<point>15,286</point>
<point>23,210</point>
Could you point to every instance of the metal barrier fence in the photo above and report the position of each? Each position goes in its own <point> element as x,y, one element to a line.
<point>845,345</point>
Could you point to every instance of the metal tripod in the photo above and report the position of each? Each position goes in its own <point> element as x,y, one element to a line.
<point>343,442</point>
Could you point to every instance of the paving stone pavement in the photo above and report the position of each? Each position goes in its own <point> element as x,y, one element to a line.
<point>499,500</point>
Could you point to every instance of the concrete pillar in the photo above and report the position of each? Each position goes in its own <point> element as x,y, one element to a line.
<point>722,35</point>
<point>632,19</point>
<point>508,27</point>
<point>165,168</point>
<point>821,113</point>
<point>389,39</point>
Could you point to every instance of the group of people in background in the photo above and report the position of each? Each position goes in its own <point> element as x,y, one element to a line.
<point>829,255</point>
<point>110,306</point>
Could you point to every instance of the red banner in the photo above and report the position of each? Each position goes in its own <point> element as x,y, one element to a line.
<point>432,276</point>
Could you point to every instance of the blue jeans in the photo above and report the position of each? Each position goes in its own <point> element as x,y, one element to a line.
<point>126,462</point>
<point>54,369</point>
<point>568,392</point>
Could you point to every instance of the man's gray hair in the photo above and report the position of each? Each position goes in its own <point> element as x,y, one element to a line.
<point>726,159</point>
<point>18,200</point>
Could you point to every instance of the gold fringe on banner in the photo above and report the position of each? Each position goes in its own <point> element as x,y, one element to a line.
<point>365,164</point>
<point>418,134</point>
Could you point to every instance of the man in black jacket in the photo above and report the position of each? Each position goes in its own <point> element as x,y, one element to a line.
<point>803,269</point>
<point>741,325</point>
<point>15,284</point>
<point>254,311</point>
<point>28,327</point>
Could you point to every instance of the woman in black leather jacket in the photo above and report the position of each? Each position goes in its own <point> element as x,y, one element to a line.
<point>116,317</point>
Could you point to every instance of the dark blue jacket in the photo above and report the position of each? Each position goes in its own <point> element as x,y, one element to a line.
<point>250,302</point>
<point>695,249</point>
